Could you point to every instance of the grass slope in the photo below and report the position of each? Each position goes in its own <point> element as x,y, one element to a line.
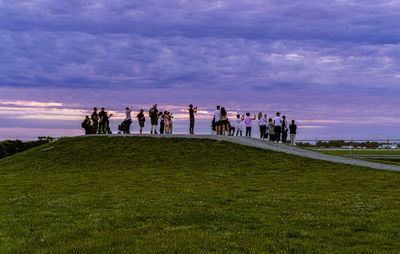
<point>142,194</point>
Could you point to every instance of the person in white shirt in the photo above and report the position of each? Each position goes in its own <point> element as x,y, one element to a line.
<point>278,127</point>
<point>217,115</point>
<point>262,124</point>
<point>239,125</point>
<point>128,120</point>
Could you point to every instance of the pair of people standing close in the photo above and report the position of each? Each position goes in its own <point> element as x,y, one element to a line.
<point>221,121</point>
<point>100,122</point>
<point>167,120</point>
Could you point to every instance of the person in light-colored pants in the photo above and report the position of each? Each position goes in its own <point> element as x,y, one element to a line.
<point>293,139</point>
<point>293,131</point>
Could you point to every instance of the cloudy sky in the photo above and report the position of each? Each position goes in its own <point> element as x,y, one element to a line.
<point>333,65</point>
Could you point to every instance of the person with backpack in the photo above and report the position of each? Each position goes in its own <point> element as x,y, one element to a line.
<point>153,114</point>
<point>271,130</point>
<point>86,125</point>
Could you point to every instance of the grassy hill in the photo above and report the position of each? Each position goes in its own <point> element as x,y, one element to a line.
<point>142,194</point>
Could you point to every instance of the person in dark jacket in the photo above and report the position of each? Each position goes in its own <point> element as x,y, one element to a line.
<point>87,126</point>
<point>293,131</point>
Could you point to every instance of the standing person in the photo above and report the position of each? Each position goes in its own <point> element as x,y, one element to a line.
<point>95,121</point>
<point>107,128</point>
<point>271,130</point>
<point>86,125</point>
<point>267,127</point>
<point>278,127</point>
<point>249,123</point>
<point>293,130</point>
<point>262,123</point>
<point>284,129</point>
<point>166,122</point>
<point>213,127</point>
<point>153,114</point>
<point>170,124</point>
<point>128,120</point>
<point>141,120</point>
<point>239,125</point>
<point>217,115</point>
<point>102,122</point>
<point>192,111</point>
<point>224,120</point>
<point>232,129</point>
<point>161,122</point>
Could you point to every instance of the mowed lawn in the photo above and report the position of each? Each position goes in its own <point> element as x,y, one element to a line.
<point>148,195</point>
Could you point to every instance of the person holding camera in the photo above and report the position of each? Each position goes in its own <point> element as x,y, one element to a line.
<point>192,111</point>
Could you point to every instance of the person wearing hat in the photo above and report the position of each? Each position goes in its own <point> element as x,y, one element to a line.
<point>278,127</point>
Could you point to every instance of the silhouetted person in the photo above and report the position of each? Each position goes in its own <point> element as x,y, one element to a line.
<point>102,123</point>
<point>141,120</point>
<point>284,129</point>
<point>293,131</point>
<point>86,125</point>
<point>95,121</point>
<point>161,122</point>
<point>192,111</point>
<point>217,116</point>
<point>153,114</point>
<point>128,120</point>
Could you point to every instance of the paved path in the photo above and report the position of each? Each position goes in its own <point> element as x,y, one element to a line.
<point>280,148</point>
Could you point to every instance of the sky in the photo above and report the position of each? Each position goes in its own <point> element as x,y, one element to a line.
<point>332,65</point>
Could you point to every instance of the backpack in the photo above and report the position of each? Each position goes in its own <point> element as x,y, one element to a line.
<point>83,124</point>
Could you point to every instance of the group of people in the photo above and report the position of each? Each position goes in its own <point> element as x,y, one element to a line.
<point>98,123</point>
<point>164,117</point>
<point>273,129</point>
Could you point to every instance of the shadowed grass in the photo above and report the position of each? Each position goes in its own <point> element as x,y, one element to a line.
<point>142,194</point>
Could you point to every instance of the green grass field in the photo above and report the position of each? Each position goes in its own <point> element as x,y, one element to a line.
<point>148,195</point>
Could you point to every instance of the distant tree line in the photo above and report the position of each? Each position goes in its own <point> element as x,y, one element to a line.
<point>10,147</point>
<point>340,143</point>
